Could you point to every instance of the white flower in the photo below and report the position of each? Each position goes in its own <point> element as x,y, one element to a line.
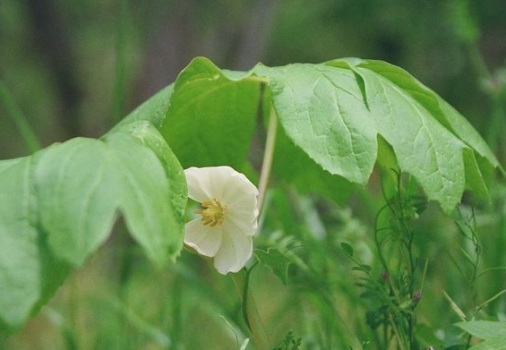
<point>228,216</point>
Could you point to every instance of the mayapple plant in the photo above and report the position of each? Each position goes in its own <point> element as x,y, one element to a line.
<point>328,125</point>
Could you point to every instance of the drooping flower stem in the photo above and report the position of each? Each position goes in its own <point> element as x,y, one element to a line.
<point>249,309</point>
<point>270,144</point>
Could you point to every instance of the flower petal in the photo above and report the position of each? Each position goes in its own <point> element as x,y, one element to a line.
<point>240,225</point>
<point>239,191</point>
<point>221,182</point>
<point>234,252</point>
<point>232,244</point>
<point>199,188</point>
<point>204,239</point>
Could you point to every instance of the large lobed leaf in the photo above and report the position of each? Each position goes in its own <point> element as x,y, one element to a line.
<point>82,185</point>
<point>337,113</point>
<point>58,206</point>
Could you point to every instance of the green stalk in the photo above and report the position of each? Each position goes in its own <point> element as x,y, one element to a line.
<point>30,139</point>
<point>270,144</point>
<point>241,280</point>
<point>250,310</point>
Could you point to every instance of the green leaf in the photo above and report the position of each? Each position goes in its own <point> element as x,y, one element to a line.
<point>59,205</point>
<point>348,250</point>
<point>430,139</point>
<point>491,344</point>
<point>212,116</point>
<point>450,119</point>
<point>152,110</point>
<point>29,274</point>
<point>293,166</point>
<point>337,115</point>
<point>83,184</point>
<point>151,138</point>
<point>484,329</point>
<point>336,111</point>
<point>276,261</point>
<point>322,111</point>
<point>494,334</point>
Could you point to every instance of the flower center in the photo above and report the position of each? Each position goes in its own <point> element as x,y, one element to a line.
<point>213,212</point>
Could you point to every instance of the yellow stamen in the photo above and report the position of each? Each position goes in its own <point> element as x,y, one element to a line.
<point>213,212</point>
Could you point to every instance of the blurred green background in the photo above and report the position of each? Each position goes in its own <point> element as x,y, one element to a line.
<point>75,67</point>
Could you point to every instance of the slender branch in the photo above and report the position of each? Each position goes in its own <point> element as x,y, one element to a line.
<point>268,156</point>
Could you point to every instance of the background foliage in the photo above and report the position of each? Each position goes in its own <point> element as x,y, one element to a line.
<point>76,67</point>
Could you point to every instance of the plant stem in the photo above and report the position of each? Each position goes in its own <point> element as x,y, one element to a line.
<point>250,311</point>
<point>268,156</point>
<point>31,141</point>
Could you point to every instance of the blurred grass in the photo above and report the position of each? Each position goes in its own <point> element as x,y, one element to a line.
<point>23,127</point>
